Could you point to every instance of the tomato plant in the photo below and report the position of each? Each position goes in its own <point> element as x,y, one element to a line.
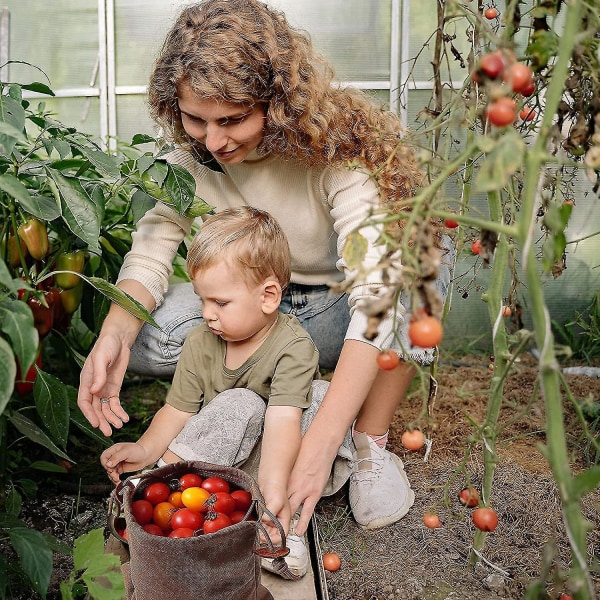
<point>519,77</point>
<point>527,113</point>
<point>215,484</point>
<point>485,518</point>
<point>216,521</point>
<point>492,64</point>
<point>425,331</point>
<point>413,440</point>
<point>491,13</point>
<point>432,521</point>
<point>331,561</point>
<point>469,496</point>
<point>157,492</point>
<point>387,360</point>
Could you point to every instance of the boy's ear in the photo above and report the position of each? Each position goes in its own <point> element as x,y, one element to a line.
<point>271,296</point>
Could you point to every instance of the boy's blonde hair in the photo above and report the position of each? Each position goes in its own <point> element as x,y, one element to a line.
<point>249,239</point>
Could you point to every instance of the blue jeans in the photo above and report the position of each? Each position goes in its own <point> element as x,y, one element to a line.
<point>323,314</point>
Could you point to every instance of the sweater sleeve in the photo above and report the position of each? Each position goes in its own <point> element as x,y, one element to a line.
<point>354,199</point>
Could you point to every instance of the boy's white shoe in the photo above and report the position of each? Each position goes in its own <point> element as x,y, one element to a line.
<point>297,559</point>
<point>379,489</point>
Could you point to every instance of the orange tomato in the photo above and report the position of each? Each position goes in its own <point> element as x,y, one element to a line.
<point>162,514</point>
<point>195,497</point>
<point>413,440</point>
<point>331,561</point>
<point>432,521</point>
<point>175,500</point>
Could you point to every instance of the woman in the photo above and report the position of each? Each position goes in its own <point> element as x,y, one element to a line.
<point>257,120</point>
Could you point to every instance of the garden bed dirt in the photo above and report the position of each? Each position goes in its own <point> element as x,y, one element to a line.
<point>407,560</point>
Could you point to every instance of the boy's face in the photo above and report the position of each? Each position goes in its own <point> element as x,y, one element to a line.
<point>232,309</point>
<point>229,131</point>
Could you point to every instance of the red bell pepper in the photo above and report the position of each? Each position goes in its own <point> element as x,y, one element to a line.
<point>43,314</point>
<point>35,236</point>
<point>24,385</point>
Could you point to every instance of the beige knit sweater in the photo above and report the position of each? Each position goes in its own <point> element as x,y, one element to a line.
<point>316,207</point>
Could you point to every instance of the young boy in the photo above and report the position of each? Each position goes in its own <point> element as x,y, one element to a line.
<point>246,354</point>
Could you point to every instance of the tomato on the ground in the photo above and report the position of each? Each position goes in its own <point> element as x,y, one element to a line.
<point>331,561</point>
<point>413,440</point>
<point>432,521</point>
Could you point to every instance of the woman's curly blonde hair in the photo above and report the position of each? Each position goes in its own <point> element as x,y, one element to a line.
<point>243,51</point>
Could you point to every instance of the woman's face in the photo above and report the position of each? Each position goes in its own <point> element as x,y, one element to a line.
<point>229,131</point>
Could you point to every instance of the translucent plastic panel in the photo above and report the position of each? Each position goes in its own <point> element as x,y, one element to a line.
<point>458,37</point>
<point>132,117</point>
<point>60,37</point>
<point>81,113</point>
<point>353,34</point>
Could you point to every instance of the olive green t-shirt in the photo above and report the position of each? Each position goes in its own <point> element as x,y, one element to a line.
<point>280,371</point>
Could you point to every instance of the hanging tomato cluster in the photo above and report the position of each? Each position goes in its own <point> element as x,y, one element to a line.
<point>505,76</point>
<point>190,506</point>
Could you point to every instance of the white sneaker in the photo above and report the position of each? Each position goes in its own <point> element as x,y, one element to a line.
<point>296,560</point>
<point>379,489</point>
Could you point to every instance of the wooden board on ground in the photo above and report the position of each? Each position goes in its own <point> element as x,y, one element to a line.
<point>310,587</point>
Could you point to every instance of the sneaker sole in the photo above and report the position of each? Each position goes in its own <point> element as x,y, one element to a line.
<point>395,517</point>
<point>297,571</point>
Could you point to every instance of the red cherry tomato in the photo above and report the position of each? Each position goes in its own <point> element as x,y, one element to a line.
<point>502,112</point>
<point>215,522</point>
<point>224,503</point>
<point>432,521</point>
<point>215,484</point>
<point>142,511</point>
<point>506,311</point>
<point>451,223</point>
<point>492,64</point>
<point>529,89</point>
<point>485,518</point>
<point>243,499</point>
<point>425,332</point>
<point>527,114</point>
<point>476,247</point>
<point>182,532</point>
<point>413,440</point>
<point>185,517</point>
<point>469,496</point>
<point>157,492</point>
<point>491,13</point>
<point>189,480</point>
<point>237,516</point>
<point>519,77</point>
<point>162,514</point>
<point>331,561</point>
<point>153,529</point>
<point>387,360</point>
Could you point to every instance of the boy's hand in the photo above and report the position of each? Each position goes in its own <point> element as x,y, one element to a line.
<point>124,457</point>
<point>277,502</point>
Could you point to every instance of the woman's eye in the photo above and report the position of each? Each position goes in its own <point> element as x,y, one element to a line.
<point>220,304</point>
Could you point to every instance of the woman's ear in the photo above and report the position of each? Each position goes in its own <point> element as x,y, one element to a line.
<point>271,296</point>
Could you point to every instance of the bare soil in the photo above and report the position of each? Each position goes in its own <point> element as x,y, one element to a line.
<point>407,560</point>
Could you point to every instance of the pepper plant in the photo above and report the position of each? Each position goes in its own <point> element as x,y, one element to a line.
<point>68,209</point>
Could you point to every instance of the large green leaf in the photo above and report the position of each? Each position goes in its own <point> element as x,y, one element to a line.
<point>35,556</point>
<point>101,571</point>
<point>52,403</point>
<point>29,429</point>
<point>16,322</point>
<point>78,209</point>
<point>8,372</point>
<point>105,163</point>
<point>501,162</point>
<point>181,186</point>
<point>13,187</point>
<point>12,123</point>
<point>124,300</point>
